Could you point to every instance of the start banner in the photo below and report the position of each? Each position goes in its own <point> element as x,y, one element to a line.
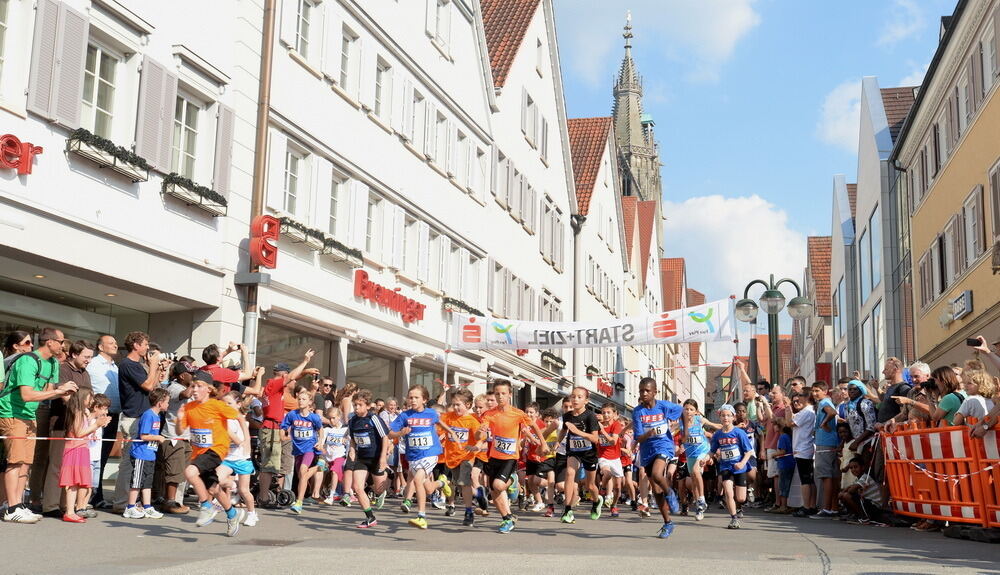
<point>711,322</point>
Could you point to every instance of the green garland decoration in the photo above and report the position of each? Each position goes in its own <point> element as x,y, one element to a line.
<point>104,144</point>
<point>327,241</point>
<point>460,305</point>
<point>209,194</point>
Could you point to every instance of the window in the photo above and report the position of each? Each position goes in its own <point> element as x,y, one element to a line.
<point>442,23</point>
<point>539,56</point>
<point>462,160</point>
<point>995,199</point>
<point>866,345</point>
<point>974,224</point>
<point>544,146</point>
<point>371,228</point>
<point>305,12</point>
<point>936,150</point>
<point>989,48</point>
<point>337,188</point>
<point>964,104</point>
<point>503,165</point>
<point>98,91</point>
<point>878,338</point>
<point>383,89</point>
<point>840,310</point>
<point>441,139</point>
<point>4,14</point>
<point>410,245</point>
<point>293,170</point>
<point>348,60</point>
<point>434,258</point>
<point>185,142</point>
<point>875,229</point>
<point>865,263</point>
<point>529,118</point>
<point>417,118</point>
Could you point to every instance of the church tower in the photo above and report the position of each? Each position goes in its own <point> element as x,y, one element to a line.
<point>634,130</point>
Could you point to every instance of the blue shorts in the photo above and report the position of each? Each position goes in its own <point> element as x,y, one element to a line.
<point>244,467</point>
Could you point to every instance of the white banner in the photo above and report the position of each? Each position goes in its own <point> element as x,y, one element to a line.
<point>711,322</point>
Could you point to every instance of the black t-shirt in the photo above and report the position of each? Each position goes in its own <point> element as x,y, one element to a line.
<point>889,407</point>
<point>575,444</point>
<point>367,434</point>
<point>131,376</point>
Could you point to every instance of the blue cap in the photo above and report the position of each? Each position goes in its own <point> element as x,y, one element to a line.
<point>281,367</point>
<point>727,407</point>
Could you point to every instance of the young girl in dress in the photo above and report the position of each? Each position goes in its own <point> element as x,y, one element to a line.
<point>75,475</point>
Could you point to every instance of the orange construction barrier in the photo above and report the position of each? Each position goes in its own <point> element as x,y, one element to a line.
<point>944,473</point>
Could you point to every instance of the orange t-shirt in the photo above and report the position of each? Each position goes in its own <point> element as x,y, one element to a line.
<point>534,450</point>
<point>206,422</point>
<point>505,426</point>
<point>465,428</point>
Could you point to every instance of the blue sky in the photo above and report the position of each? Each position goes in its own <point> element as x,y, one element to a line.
<point>755,103</point>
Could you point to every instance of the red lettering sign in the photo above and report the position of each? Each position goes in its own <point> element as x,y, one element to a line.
<point>604,386</point>
<point>264,231</point>
<point>664,327</point>
<point>17,155</point>
<point>410,310</point>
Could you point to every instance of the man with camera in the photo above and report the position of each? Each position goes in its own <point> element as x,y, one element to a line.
<point>222,377</point>
<point>31,380</point>
<point>139,372</point>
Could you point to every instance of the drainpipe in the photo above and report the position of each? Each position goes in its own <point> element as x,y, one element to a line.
<point>251,316</point>
<point>576,222</point>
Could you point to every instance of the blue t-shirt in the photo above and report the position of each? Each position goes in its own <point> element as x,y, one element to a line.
<point>786,461</point>
<point>657,418</point>
<point>695,443</point>
<point>826,438</point>
<point>304,431</point>
<point>731,445</point>
<point>422,440</point>
<point>149,424</point>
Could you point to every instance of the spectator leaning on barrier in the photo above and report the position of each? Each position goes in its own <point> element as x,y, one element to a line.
<point>981,388</point>
<point>919,402</point>
<point>950,395</point>
<point>30,381</point>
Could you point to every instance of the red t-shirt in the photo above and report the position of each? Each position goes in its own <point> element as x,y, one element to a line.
<point>607,449</point>
<point>224,377</point>
<point>533,454</point>
<point>274,410</point>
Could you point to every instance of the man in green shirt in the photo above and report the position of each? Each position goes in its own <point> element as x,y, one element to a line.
<point>31,380</point>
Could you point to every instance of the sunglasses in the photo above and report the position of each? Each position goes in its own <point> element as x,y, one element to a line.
<point>26,342</point>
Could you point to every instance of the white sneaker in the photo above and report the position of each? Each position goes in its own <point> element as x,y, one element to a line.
<point>20,515</point>
<point>152,513</point>
<point>538,507</point>
<point>251,519</point>
<point>134,513</point>
<point>328,500</point>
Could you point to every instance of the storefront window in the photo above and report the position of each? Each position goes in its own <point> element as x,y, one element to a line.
<point>376,374</point>
<point>427,378</point>
<point>277,344</point>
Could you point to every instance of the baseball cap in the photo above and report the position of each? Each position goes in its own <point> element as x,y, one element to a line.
<point>181,367</point>
<point>282,367</point>
<point>204,376</point>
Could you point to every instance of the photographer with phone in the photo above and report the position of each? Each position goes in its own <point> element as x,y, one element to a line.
<point>223,378</point>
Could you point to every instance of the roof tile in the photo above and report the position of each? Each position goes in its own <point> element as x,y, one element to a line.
<point>647,227</point>
<point>819,250</point>
<point>852,197</point>
<point>695,297</point>
<point>505,23</point>
<point>628,215</point>
<point>588,138</point>
<point>897,103</point>
<point>672,271</point>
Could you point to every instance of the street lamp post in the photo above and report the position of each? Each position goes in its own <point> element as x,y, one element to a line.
<point>773,301</point>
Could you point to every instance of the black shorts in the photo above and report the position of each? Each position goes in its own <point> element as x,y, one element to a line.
<point>369,465</point>
<point>440,468</point>
<point>207,463</point>
<point>710,471</point>
<point>627,469</point>
<point>479,464</point>
<point>587,460</point>
<point>738,479</point>
<point>805,467</point>
<point>142,474</point>
<point>682,471</point>
<point>543,468</point>
<point>531,468</point>
<point>502,469</point>
<point>667,460</point>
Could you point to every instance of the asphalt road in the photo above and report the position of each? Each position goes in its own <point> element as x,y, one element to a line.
<point>325,539</point>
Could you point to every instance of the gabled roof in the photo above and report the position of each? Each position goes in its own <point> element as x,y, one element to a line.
<point>505,23</point>
<point>672,272</point>
<point>647,231</point>
<point>695,297</point>
<point>852,196</point>
<point>588,138</point>
<point>628,217</point>
<point>819,249</point>
<point>897,103</point>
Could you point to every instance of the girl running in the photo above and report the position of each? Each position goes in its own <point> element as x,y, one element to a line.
<point>696,448</point>
<point>237,462</point>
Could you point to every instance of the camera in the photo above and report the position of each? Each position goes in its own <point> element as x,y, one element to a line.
<point>169,356</point>
<point>929,384</point>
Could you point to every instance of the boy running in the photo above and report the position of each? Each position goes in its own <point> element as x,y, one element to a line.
<point>580,428</point>
<point>651,427</point>
<point>733,450</point>
<point>458,455</point>
<point>370,446</point>
<point>207,419</point>
<point>302,426</point>
<point>609,455</point>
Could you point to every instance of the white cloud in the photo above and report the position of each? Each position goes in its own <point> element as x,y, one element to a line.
<point>906,20</point>
<point>916,75</point>
<point>728,242</point>
<point>840,116</point>
<point>701,34</point>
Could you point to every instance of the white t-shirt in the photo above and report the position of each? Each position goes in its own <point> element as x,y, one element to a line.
<point>95,441</point>
<point>975,406</point>
<point>803,424</point>
<point>336,443</point>
<point>236,450</point>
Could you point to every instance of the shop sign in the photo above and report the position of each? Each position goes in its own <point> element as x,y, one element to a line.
<point>264,231</point>
<point>17,155</point>
<point>604,387</point>
<point>410,310</point>
<point>962,305</point>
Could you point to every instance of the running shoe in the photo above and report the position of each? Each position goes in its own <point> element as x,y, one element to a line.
<point>206,515</point>
<point>568,517</point>
<point>672,502</point>
<point>614,511</point>
<point>296,508</point>
<point>469,520</point>
<point>437,502</point>
<point>666,530</point>
<point>449,511</point>
<point>750,495</point>
<point>739,513</point>
<point>538,507</point>
<point>699,510</point>
<point>369,522</point>
<point>134,512</point>
<point>445,485</point>
<point>823,514</point>
<point>251,519</point>
<point>233,525</point>
<point>380,500</point>
<point>151,513</point>
<point>405,506</point>
<point>481,499</point>
<point>734,523</point>
<point>513,490</point>
<point>633,504</point>
<point>328,500</point>
<point>345,501</point>
<point>550,511</point>
<point>506,526</point>
<point>684,510</point>
<point>418,521</point>
<point>644,511</point>
<point>596,508</point>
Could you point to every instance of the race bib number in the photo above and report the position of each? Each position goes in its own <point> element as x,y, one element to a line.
<point>505,445</point>
<point>660,429</point>
<point>577,443</point>
<point>730,453</point>
<point>152,445</point>
<point>461,433</point>
<point>418,441</point>
<point>694,440</point>
<point>362,440</point>
<point>303,433</point>
<point>201,438</point>
<point>334,440</point>
<point>606,441</point>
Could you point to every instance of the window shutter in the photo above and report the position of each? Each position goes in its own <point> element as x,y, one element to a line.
<point>970,92</point>
<point>491,266</point>
<point>451,151</point>
<point>277,147</point>
<point>503,182</point>
<point>423,251</point>
<point>445,25</point>
<point>443,276</point>
<point>948,128</point>
<point>559,248</point>
<point>464,272</point>
<point>388,233</point>
<point>322,187</point>
<point>528,209</point>
<point>157,98</point>
<point>956,131</point>
<point>430,128</point>
<point>977,75</point>
<point>71,54</point>
<point>289,22</point>
<point>431,20</point>
<point>221,175</point>
<point>996,41</point>
<point>332,38</point>
<point>980,219</point>
<point>406,110</point>
<point>368,60</point>
<point>952,255</point>
<point>515,196</point>
<point>359,221</point>
<point>494,167</point>
<point>524,111</point>
<point>995,197</point>
<point>41,91</point>
<point>544,142</point>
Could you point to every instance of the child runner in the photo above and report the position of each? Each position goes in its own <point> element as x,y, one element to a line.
<point>237,461</point>
<point>503,425</point>
<point>651,426</point>
<point>369,449</point>
<point>458,455</point>
<point>696,449</point>
<point>143,455</point>
<point>580,432</point>
<point>207,420</point>
<point>609,455</point>
<point>546,470</point>
<point>75,475</point>
<point>302,426</point>
<point>733,450</point>
<point>335,453</point>
<point>627,444</point>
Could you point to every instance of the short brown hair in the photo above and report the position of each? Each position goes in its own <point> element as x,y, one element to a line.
<point>501,382</point>
<point>423,391</point>
<point>48,333</point>
<point>584,389</point>
<point>77,347</point>
<point>134,338</point>
<point>158,394</point>
<point>100,400</point>
<point>463,394</point>
<point>362,395</point>
<point>612,406</point>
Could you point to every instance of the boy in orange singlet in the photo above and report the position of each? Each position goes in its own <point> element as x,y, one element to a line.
<point>458,456</point>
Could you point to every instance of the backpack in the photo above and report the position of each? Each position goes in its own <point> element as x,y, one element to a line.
<point>8,363</point>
